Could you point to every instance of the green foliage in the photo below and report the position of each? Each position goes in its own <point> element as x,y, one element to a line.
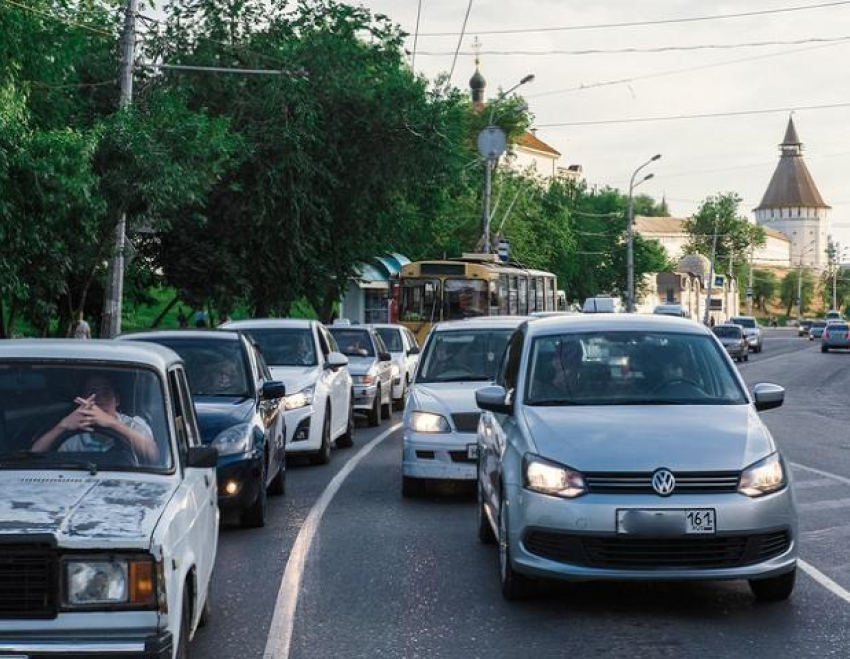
<point>735,235</point>
<point>788,290</point>
<point>765,285</point>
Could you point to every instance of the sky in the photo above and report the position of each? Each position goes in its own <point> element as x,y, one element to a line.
<point>701,156</point>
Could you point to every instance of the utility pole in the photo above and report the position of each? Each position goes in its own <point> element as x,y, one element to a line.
<point>111,323</point>
<point>835,261</point>
<point>800,290</point>
<point>630,234</point>
<point>750,284</point>
<point>485,216</point>
<point>711,276</point>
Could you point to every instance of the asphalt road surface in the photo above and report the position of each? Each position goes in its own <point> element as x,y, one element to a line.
<point>390,577</point>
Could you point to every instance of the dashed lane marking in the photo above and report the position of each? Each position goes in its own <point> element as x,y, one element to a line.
<point>280,633</point>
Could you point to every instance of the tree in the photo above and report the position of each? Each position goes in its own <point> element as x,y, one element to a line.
<point>788,291</point>
<point>765,284</point>
<point>735,235</point>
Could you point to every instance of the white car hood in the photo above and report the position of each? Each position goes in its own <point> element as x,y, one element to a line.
<point>295,377</point>
<point>445,398</point>
<point>81,510</point>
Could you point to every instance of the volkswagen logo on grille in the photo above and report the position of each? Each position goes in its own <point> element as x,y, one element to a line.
<point>663,482</point>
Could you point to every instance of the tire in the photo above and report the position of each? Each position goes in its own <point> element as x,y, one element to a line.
<point>824,349</point>
<point>774,589</point>
<point>185,621</point>
<point>374,415</point>
<point>346,439</point>
<point>254,516</point>
<point>746,357</point>
<point>413,488</point>
<point>323,455</point>
<point>485,531</point>
<point>206,612</point>
<point>387,408</point>
<point>398,404</point>
<point>515,586</point>
<point>277,487</point>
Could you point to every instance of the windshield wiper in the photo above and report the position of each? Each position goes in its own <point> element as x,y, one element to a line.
<point>464,378</point>
<point>654,401</point>
<point>25,456</point>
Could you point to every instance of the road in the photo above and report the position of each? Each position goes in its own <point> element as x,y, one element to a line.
<point>389,577</point>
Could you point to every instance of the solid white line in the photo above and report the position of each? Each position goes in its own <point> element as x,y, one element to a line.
<point>824,580</point>
<point>819,472</point>
<point>280,632</point>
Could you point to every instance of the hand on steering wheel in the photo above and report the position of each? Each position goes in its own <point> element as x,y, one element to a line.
<point>120,445</point>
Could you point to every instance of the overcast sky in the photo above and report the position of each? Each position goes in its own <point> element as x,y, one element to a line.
<point>700,156</point>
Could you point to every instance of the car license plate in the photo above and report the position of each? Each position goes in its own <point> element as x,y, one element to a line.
<point>472,451</point>
<point>666,523</point>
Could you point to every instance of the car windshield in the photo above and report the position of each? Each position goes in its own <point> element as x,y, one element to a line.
<point>82,416</point>
<point>630,368</point>
<point>745,322</point>
<point>459,356</point>
<point>392,338</point>
<point>215,367</point>
<point>728,332</point>
<point>285,346</point>
<point>353,342</point>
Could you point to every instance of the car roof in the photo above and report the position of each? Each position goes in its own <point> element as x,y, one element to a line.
<point>268,323</point>
<point>487,322</point>
<point>616,323</point>
<point>100,350</point>
<point>212,335</point>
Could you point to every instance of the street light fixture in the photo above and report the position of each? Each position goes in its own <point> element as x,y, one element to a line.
<point>630,234</point>
<point>491,145</point>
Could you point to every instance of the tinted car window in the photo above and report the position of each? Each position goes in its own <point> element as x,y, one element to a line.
<point>392,338</point>
<point>215,368</point>
<point>728,332</point>
<point>354,342</point>
<point>460,356</point>
<point>286,347</point>
<point>630,368</point>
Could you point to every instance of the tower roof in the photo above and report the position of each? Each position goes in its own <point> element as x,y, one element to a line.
<point>792,185</point>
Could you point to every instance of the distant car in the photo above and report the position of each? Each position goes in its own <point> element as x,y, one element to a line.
<point>240,413</point>
<point>835,335</point>
<point>441,417</point>
<point>833,314</point>
<point>105,551</point>
<point>804,326</point>
<point>319,399</point>
<point>816,330</point>
<point>671,310</point>
<point>371,368</point>
<point>402,345</point>
<point>733,339</point>
<point>660,471</point>
<point>602,305</point>
<point>752,330</point>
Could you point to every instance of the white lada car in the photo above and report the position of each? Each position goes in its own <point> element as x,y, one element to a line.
<point>108,502</point>
<point>441,416</point>
<point>319,399</point>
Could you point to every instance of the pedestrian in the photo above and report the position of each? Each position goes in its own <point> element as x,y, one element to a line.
<point>200,318</point>
<point>711,321</point>
<point>182,320</point>
<point>80,329</point>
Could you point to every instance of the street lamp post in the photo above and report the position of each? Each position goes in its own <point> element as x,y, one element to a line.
<point>805,251</point>
<point>491,145</point>
<point>630,235</point>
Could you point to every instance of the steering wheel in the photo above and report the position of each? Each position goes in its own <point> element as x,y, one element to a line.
<point>669,384</point>
<point>121,449</point>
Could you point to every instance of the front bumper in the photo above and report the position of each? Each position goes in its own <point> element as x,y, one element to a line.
<point>303,431</point>
<point>737,351</point>
<point>156,646</point>
<point>439,456</point>
<point>364,397</point>
<point>244,470</point>
<point>753,340</point>
<point>594,516</point>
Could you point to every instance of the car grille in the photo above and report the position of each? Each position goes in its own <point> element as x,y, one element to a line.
<point>657,553</point>
<point>27,582</point>
<point>687,482</point>
<point>466,421</point>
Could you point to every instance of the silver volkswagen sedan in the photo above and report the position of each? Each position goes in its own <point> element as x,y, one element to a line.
<point>628,447</point>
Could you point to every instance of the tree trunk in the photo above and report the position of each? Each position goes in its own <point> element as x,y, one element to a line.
<point>327,305</point>
<point>10,323</point>
<point>3,333</point>
<point>164,312</point>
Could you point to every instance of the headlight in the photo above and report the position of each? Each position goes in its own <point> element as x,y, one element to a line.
<point>110,582</point>
<point>396,371</point>
<point>299,399</point>
<point>365,379</point>
<point>427,422</point>
<point>763,477</point>
<point>551,478</point>
<point>236,439</point>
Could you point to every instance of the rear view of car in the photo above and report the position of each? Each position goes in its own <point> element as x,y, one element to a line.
<point>816,330</point>
<point>835,336</point>
<point>732,338</point>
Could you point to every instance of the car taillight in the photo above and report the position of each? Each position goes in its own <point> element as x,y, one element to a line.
<point>825,334</point>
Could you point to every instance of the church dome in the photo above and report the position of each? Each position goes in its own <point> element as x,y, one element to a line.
<point>477,81</point>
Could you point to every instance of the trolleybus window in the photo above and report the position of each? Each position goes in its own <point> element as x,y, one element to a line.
<point>465,298</point>
<point>420,300</point>
<point>503,295</point>
<point>541,299</point>
<point>523,296</point>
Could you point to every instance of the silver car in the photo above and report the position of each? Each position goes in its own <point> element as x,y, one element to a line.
<point>732,338</point>
<point>441,416</point>
<point>816,330</point>
<point>371,368</point>
<point>752,330</point>
<point>835,335</point>
<point>402,345</point>
<point>628,448</point>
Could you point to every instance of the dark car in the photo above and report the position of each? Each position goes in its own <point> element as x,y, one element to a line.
<point>804,327</point>
<point>733,339</point>
<point>240,412</point>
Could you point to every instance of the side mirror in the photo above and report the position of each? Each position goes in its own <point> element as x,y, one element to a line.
<point>273,389</point>
<point>413,351</point>
<point>202,457</point>
<point>493,399</point>
<point>336,360</point>
<point>385,357</point>
<point>768,396</point>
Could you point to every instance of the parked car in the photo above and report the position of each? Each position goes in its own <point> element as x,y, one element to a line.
<point>662,471</point>
<point>671,310</point>
<point>835,335</point>
<point>371,367</point>
<point>240,413</point>
<point>752,330</point>
<point>804,326</point>
<point>108,505</point>
<point>319,399</point>
<point>441,417</point>
<point>402,345</point>
<point>602,305</point>
<point>816,330</point>
<point>733,340</point>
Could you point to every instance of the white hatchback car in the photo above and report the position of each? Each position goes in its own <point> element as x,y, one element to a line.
<point>441,415</point>
<point>402,345</point>
<point>304,355</point>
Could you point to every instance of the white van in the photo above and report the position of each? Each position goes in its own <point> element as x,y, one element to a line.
<point>602,305</point>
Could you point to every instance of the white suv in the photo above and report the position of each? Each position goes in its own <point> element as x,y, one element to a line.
<point>405,351</point>
<point>318,403</point>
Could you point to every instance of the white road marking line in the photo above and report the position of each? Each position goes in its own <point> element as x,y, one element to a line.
<point>819,472</point>
<point>280,632</point>
<point>824,580</point>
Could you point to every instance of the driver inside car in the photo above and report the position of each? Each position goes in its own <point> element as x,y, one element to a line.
<point>97,410</point>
